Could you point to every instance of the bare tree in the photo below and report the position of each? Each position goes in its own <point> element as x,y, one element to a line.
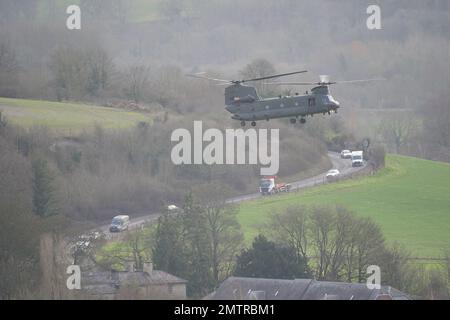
<point>291,227</point>
<point>344,227</point>
<point>135,249</point>
<point>224,234</point>
<point>339,244</point>
<point>321,228</point>
<point>364,249</point>
<point>136,82</point>
<point>256,69</point>
<point>396,269</point>
<point>9,70</point>
<point>99,70</point>
<point>68,73</point>
<point>436,137</point>
<point>397,130</point>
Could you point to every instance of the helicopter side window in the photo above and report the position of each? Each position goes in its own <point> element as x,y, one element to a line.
<point>311,102</point>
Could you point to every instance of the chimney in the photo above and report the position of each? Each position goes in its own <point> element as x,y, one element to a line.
<point>148,267</point>
<point>130,266</point>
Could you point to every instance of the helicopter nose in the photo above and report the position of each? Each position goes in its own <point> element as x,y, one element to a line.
<point>335,105</point>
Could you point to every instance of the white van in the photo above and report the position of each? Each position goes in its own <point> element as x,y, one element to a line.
<point>357,159</point>
<point>119,223</point>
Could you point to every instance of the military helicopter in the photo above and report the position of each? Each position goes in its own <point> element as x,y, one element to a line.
<point>244,103</point>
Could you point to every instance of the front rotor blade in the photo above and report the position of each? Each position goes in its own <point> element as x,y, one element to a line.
<point>356,81</point>
<point>294,83</point>
<point>321,83</point>
<point>274,76</point>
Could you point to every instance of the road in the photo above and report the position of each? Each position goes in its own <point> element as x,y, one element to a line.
<point>343,165</point>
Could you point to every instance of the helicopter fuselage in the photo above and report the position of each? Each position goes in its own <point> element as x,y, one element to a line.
<point>251,108</point>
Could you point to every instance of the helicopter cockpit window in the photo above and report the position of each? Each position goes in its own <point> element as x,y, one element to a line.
<point>332,99</point>
<point>311,102</point>
<point>325,99</point>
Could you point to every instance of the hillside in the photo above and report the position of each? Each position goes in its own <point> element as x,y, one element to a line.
<point>408,199</point>
<point>138,10</point>
<point>67,116</point>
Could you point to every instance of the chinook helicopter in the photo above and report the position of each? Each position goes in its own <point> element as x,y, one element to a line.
<point>245,105</point>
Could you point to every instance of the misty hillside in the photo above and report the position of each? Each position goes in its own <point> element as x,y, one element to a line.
<point>326,37</point>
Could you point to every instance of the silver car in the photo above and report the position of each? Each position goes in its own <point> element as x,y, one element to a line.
<point>346,154</point>
<point>333,174</point>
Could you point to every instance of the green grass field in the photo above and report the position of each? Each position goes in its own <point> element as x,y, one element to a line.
<point>67,116</point>
<point>409,199</point>
<point>139,10</point>
<point>145,10</point>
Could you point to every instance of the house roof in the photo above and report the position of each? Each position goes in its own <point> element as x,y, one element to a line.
<point>107,282</point>
<point>235,288</point>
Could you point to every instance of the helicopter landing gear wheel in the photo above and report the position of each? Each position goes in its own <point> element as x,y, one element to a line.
<point>302,120</point>
<point>253,123</point>
<point>243,123</point>
<point>293,121</point>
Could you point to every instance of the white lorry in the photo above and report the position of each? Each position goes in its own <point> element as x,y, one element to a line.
<point>357,159</point>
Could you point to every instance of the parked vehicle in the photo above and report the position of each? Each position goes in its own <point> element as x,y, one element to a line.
<point>119,223</point>
<point>269,186</point>
<point>357,159</point>
<point>346,154</point>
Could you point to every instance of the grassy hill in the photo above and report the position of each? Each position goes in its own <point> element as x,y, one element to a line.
<point>139,10</point>
<point>409,199</point>
<point>67,116</point>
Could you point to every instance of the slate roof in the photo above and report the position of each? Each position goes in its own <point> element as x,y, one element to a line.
<point>107,282</point>
<point>235,288</point>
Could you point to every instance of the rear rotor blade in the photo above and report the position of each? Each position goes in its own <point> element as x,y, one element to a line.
<point>200,76</point>
<point>273,76</point>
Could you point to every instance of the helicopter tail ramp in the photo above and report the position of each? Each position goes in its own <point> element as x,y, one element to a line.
<point>237,94</point>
